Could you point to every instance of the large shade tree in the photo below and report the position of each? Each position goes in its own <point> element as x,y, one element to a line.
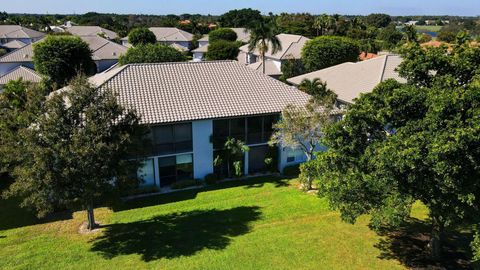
<point>62,57</point>
<point>141,36</point>
<point>263,38</point>
<point>151,53</point>
<point>403,143</point>
<point>79,153</point>
<point>326,51</point>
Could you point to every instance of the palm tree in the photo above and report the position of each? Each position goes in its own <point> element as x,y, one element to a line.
<point>411,34</point>
<point>263,37</point>
<point>318,90</point>
<point>322,23</point>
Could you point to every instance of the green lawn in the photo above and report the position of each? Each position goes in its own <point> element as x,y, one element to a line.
<point>248,224</point>
<point>430,28</point>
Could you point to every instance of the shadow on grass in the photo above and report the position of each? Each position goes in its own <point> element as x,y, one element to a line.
<point>13,216</point>
<point>409,245</point>
<point>191,194</point>
<point>174,235</point>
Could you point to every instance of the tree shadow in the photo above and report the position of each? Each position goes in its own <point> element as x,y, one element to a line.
<point>191,194</point>
<point>177,234</point>
<point>409,245</point>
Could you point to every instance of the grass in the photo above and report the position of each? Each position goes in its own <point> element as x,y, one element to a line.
<point>429,28</point>
<point>262,223</point>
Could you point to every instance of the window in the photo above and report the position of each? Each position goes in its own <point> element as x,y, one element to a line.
<point>237,128</point>
<point>147,173</point>
<point>255,129</point>
<point>175,168</point>
<point>169,139</point>
<point>295,155</point>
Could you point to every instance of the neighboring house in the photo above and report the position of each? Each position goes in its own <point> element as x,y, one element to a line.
<point>411,23</point>
<point>13,45</point>
<point>291,49</point>
<point>25,35</point>
<point>192,107</point>
<point>91,31</point>
<point>199,53</point>
<point>25,73</point>
<point>105,53</point>
<point>349,80</point>
<point>171,36</point>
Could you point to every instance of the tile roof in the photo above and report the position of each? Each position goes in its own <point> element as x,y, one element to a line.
<point>91,31</point>
<point>17,31</point>
<point>186,91</point>
<point>349,80</point>
<point>171,34</point>
<point>291,47</point>
<point>271,69</point>
<point>13,45</point>
<point>102,49</point>
<point>25,73</point>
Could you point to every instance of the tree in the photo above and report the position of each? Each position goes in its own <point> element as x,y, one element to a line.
<point>246,18</point>
<point>222,50</point>
<point>232,154</point>
<point>301,127</point>
<point>323,24</point>
<point>411,34</point>
<point>151,53</point>
<point>318,90</point>
<point>263,37</point>
<point>141,36</point>
<point>389,37</point>
<point>61,58</point>
<point>378,20</point>
<point>291,67</point>
<point>327,51</point>
<point>79,152</point>
<point>446,36</point>
<point>403,143</point>
<point>296,24</point>
<point>225,34</point>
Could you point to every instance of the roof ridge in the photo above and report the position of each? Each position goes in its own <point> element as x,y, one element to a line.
<point>178,62</point>
<point>383,69</point>
<point>15,51</point>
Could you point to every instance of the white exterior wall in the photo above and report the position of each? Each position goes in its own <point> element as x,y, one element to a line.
<point>202,43</point>
<point>197,57</point>
<point>202,148</point>
<point>7,67</point>
<point>283,155</point>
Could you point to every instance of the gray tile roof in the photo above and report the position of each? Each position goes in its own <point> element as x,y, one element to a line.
<point>174,92</point>
<point>291,47</point>
<point>13,45</point>
<point>349,80</point>
<point>102,49</point>
<point>270,68</point>
<point>17,31</point>
<point>91,31</point>
<point>171,34</point>
<point>25,73</point>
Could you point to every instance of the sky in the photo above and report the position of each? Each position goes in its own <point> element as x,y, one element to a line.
<point>217,7</point>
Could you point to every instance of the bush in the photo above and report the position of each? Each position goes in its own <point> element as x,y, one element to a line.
<point>184,184</point>
<point>292,170</point>
<point>222,50</point>
<point>211,179</point>
<point>151,53</point>
<point>447,36</point>
<point>139,36</point>
<point>327,51</point>
<point>226,34</point>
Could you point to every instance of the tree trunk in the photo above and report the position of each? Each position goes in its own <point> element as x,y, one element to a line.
<point>263,62</point>
<point>91,218</point>
<point>309,177</point>
<point>436,239</point>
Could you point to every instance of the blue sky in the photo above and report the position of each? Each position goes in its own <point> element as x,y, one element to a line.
<point>215,7</point>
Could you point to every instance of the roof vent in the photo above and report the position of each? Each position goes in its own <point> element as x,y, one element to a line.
<point>114,53</point>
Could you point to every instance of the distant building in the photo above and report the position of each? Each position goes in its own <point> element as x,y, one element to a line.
<point>170,36</point>
<point>9,33</point>
<point>91,31</point>
<point>411,23</point>
<point>25,73</point>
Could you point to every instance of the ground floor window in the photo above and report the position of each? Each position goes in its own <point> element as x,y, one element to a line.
<point>146,173</point>
<point>175,168</point>
<point>295,155</point>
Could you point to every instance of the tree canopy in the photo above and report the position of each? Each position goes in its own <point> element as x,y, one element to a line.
<point>327,51</point>
<point>78,152</point>
<point>140,36</point>
<point>246,17</point>
<point>402,143</point>
<point>225,34</point>
<point>61,58</point>
<point>151,53</point>
<point>222,50</point>
<point>378,20</point>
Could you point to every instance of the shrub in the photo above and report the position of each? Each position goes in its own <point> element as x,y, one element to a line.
<point>184,184</point>
<point>151,53</point>
<point>447,36</point>
<point>226,34</point>
<point>140,36</point>
<point>222,50</point>
<point>327,51</point>
<point>211,179</point>
<point>292,170</point>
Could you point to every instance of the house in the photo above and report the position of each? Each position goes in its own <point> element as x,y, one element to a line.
<point>105,53</point>
<point>12,45</point>
<point>192,107</point>
<point>25,35</point>
<point>199,53</point>
<point>25,73</point>
<point>411,23</point>
<point>349,80</point>
<point>291,49</point>
<point>91,31</point>
<point>170,36</point>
